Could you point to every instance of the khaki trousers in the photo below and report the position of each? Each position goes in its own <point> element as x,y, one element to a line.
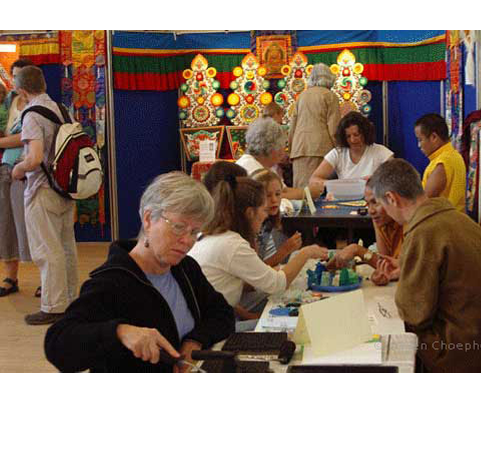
<point>49,220</point>
<point>303,167</point>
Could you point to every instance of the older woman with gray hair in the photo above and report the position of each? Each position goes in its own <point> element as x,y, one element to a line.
<point>265,144</point>
<point>313,125</point>
<point>149,296</point>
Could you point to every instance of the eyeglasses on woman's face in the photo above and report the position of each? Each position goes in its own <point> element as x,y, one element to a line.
<point>181,229</point>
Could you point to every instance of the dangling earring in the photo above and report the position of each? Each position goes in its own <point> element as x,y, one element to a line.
<point>146,242</point>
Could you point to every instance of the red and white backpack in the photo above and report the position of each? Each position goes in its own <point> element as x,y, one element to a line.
<point>76,171</point>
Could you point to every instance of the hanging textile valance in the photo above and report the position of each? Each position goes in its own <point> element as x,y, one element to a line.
<point>41,48</point>
<point>401,56</point>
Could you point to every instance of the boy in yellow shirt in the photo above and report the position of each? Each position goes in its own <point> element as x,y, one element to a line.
<point>445,176</point>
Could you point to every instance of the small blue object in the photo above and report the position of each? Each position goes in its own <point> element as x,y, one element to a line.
<point>280,311</point>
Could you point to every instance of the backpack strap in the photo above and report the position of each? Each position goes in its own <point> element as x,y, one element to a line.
<point>44,112</point>
<point>65,114</point>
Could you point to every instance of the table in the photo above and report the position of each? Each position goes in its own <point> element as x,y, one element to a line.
<point>398,347</point>
<point>339,217</point>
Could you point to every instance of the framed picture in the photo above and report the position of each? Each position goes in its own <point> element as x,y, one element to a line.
<point>274,52</point>
<point>237,140</point>
<point>192,137</point>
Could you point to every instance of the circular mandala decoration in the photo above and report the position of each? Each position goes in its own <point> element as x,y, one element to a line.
<point>184,87</point>
<point>237,71</point>
<point>199,77</point>
<point>266,84</point>
<point>211,72</point>
<point>200,100</point>
<point>266,98</point>
<point>298,85</point>
<point>182,115</point>
<point>216,84</point>
<point>234,85</point>
<point>346,96</point>
<point>250,87</point>
<point>250,99</point>
<point>200,113</point>
<point>217,99</point>
<point>358,68</point>
<point>250,75</point>
<point>187,73</point>
<point>298,73</point>
<point>309,69</point>
<point>334,69</point>
<point>249,113</point>
<point>366,109</point>
<point>286,70</point>
<point>183,102</point>
<point>365,96</point>
<point>363,81</point>
<point>219,112</point>
<point>262,71</point>
<point>280,98</point>
<point>230,113</point>
<point>233,99</point>
<point>281,84</point>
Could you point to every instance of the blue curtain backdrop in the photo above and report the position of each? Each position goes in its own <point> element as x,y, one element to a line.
<point>409,100</point>
<point>147,142</point>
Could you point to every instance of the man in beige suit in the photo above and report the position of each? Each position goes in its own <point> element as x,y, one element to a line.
<point>313,124</point>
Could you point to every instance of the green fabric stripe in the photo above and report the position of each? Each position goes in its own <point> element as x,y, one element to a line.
<point>408,55</point>
<point>142,64</point>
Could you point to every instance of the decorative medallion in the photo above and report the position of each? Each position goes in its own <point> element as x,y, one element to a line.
<point>349,84</point>
<point>199,105</point>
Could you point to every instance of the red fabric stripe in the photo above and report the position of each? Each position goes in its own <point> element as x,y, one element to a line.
<point>44,59</point>
<point>67,160</point>
<point>375,72</point>
<point>405,72</point>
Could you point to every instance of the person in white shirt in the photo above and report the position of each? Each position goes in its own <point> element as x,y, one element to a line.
<point>265,144</point>
<point>357,156</point>
<point>226,251</point>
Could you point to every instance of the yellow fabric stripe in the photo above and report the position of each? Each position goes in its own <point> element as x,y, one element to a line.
<point>47,48</point>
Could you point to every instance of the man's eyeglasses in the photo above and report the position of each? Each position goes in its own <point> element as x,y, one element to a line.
<point>180,229</point>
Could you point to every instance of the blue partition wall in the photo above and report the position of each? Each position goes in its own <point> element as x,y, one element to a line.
<point>409,100</point>
<point>147,144</point>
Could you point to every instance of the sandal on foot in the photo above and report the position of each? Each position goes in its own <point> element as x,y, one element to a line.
<point>7,291</point>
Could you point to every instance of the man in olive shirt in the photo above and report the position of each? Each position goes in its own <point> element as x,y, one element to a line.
<point>438,294</point>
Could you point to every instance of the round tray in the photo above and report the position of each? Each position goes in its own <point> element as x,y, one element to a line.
<point>349,287</point>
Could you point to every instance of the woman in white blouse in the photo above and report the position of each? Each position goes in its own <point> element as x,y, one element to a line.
<point>356,154</point>
<point>226,250</point>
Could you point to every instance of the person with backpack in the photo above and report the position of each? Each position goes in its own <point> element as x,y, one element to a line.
<point>49,216</point>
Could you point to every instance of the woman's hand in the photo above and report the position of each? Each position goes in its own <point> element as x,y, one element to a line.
<point>315,252</point>
<point>144,343</point>
<point>292,244</point>
<point>186,352</point>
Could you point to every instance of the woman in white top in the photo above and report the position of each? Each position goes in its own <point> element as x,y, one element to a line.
<point>357,156</point>
<point>226,250</point>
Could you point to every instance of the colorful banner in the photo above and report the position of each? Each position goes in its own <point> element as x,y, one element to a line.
<point>159,67</point>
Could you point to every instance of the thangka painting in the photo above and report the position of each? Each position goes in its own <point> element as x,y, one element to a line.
<point>349,84</point>
<point>237,140</point>
<point>192,137</point>
<point>274,52</point>
<point>473,171</point>
<point>249,94</point>
<point>293,84</point>
<point>200,104</point>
